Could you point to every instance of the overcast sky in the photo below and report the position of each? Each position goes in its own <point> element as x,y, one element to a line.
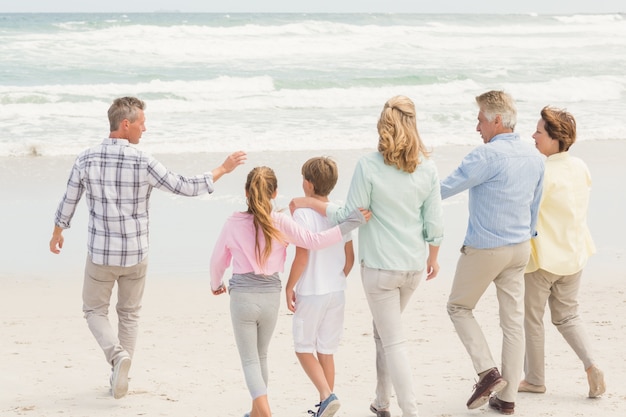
<point>337,6</point>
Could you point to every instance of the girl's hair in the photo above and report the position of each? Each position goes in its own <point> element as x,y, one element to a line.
<point>260,188</point>
<point>398,139</point>
<point>560,125</point>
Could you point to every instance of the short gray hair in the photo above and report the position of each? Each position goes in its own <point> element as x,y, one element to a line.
<point>494,102</point>
<point>124,108</point>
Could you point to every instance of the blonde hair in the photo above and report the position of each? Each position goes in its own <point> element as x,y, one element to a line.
<point>124,108</point>
<point>560,125</point>
<point>322,173</point>
<point>493,103</point>
<point>398,139</point>
<point>261,185</point>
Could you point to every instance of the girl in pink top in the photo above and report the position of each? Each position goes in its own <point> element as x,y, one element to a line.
<point>255,242</point>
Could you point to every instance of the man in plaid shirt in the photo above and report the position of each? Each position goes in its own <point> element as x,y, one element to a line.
<point>117,180</point>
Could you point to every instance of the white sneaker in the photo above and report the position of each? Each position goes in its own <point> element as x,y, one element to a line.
<point>119,379</point>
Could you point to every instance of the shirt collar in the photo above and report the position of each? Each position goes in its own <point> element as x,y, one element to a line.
<point>116,141</point>
<point>558,156</point>
<point>505,136</point>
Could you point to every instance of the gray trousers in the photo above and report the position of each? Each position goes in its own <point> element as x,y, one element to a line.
<point>97,289</point>
<point>254,316</point>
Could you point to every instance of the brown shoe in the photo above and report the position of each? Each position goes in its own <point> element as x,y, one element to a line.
<point>526,386</point>
<point>504,407</point>
<point>492,381</point>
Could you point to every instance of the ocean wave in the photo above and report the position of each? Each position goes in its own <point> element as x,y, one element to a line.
<point>256,82</point>
<point>595,19</point>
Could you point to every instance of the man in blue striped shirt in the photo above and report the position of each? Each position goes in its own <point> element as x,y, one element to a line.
<point>117,180</point>
<point>504,177</point>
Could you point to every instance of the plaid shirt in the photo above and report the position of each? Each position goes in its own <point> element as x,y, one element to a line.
<point>118,180</point>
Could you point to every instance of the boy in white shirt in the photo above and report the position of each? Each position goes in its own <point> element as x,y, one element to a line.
<point>315,289</point>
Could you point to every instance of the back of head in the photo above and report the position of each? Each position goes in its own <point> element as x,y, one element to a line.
<point>493,103</point>
<point>261,185</point>
<point>124,108</point>
<point>322,173</point>
<point>398,139</point>
<point>560,125</point>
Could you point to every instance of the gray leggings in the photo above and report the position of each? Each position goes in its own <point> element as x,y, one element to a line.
<point>254,316</point>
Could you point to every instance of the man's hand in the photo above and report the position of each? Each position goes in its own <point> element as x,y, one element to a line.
<point>232,161</point>
<point>56,243</point>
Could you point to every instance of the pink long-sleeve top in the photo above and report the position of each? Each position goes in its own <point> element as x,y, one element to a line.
<point>237,239</point>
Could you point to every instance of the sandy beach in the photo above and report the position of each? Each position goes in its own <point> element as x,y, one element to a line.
<point>186,363</point>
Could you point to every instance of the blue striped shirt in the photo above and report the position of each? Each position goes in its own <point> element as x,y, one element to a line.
<point>118,180</point>
<point>505,181</point>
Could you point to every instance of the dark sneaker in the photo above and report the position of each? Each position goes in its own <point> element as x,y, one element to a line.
<point>379,413</point>
<point>119,379</point>
<point>502,406</point>
<point>492,381</point>
<point>326,408</point>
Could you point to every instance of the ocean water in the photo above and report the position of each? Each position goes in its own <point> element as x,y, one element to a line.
<point>219,82</point>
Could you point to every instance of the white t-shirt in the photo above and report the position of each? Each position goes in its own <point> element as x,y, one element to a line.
<point>324,271</point>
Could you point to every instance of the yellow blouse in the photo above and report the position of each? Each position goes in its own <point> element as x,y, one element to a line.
<point>563,243</point>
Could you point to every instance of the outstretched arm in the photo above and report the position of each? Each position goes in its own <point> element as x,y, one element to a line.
<point>308,202</point>
<point>232,161</point>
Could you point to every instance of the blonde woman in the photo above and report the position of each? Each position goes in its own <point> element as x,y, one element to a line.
<point>400,185</point>
<point>558,253</point>
<point>255,242</point>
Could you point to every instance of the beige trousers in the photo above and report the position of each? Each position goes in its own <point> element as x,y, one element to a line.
<point>97,289</point>
<point>476,270</point>
<point>560,293</point>
<point>388,293</point>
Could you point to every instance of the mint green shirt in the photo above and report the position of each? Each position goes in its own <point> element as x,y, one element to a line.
<point>406,213</point>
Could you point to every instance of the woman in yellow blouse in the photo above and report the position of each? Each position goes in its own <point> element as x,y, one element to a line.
<point>559,253</point>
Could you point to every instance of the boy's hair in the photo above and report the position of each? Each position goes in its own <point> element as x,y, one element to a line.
<point>322,173</point>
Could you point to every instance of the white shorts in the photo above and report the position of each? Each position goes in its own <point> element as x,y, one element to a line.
<point>318,322</point>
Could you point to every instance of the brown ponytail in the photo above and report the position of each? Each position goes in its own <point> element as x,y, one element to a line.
<point>260,188</point>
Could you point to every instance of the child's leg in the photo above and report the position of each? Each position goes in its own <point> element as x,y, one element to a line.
<point>254,317</point>
<point>315,372</point>
<point>260,407</point>
<point>328,365</point>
